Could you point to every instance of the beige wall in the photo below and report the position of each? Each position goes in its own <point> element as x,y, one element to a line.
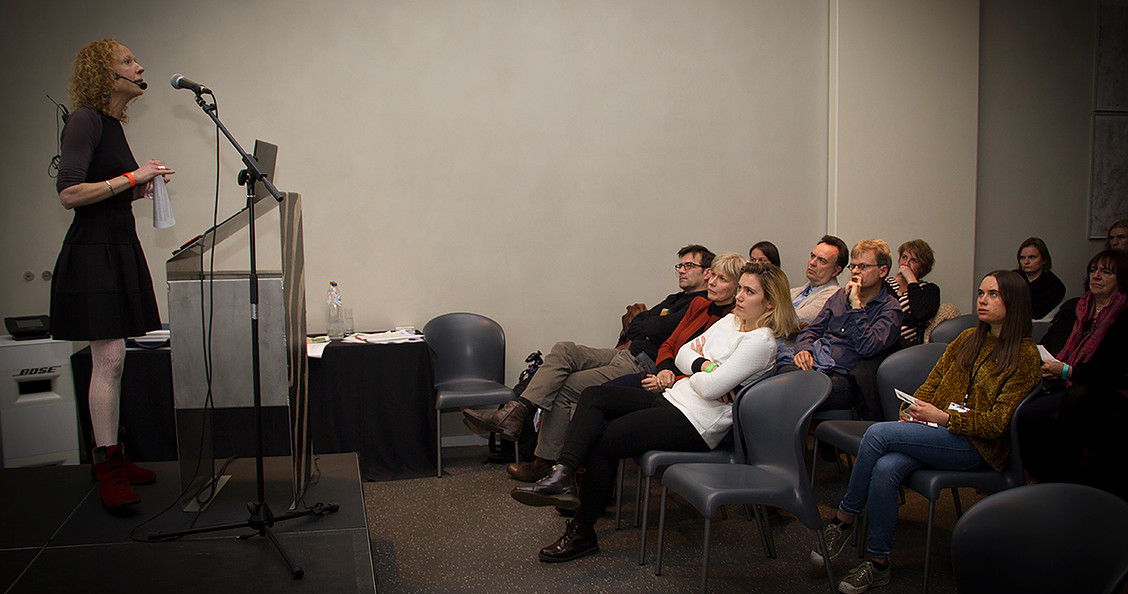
<point>1035,104</point>
<point>904,88</point>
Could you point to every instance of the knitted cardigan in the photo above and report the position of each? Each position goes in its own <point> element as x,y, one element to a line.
<point>992,398</point>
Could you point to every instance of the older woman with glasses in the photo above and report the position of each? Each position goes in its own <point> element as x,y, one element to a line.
<point>1074,434</point>
<point>919,298</point>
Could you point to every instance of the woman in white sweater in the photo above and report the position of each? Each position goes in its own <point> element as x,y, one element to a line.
<point>611,423</point>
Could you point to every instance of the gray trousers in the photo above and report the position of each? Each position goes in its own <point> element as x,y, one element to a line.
<point>568,369</point>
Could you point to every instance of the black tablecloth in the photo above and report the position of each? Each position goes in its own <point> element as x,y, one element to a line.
<point>376,400</point>
<point>373,399</point>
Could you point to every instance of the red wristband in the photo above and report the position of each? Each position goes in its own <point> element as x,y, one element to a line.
<point>129,176</point>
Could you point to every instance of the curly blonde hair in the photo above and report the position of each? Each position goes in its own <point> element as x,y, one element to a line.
<point>93,76</point>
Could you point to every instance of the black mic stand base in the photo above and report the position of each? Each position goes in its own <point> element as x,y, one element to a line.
<point>261,521</point>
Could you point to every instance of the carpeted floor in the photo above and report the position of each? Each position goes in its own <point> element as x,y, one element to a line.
<point>464,534</point>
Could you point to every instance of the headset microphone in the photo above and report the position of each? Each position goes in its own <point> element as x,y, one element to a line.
<point>142,85</point>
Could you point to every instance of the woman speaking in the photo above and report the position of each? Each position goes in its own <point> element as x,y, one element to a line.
<point>101,290</point>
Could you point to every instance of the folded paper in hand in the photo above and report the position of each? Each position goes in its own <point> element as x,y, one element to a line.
<point>162,210</point>
<point>1046,356</point>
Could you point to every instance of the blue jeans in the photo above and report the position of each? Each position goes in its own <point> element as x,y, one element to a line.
<point>889,452</point>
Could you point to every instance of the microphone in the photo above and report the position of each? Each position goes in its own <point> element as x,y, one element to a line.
<point>179,82</point>
<point>142,85</point>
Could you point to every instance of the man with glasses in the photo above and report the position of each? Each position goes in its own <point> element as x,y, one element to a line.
<point>826,262</point>
<point>859,321</point>
<point>569,367</point>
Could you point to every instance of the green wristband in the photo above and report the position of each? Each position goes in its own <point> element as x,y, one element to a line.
<point>710,368</point>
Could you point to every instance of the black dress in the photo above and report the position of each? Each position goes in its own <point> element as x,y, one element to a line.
<point>101,286</point>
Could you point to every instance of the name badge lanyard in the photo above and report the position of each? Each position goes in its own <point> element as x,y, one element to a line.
<point>971,380</point>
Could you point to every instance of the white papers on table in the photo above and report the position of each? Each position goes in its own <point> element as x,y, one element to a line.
<point>315,348</point>
<point>389,337</point>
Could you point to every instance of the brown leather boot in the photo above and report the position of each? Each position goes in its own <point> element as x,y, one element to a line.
<point>530,472</point>
<point>507,420</point>
<point>558,488</point>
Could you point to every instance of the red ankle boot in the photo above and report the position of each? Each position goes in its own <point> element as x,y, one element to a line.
<point>135,474</point>
<point>113,485</point>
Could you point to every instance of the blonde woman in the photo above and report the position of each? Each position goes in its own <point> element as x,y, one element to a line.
<point>693,414</point>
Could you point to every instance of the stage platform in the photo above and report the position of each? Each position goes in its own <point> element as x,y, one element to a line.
<point>55,535</point>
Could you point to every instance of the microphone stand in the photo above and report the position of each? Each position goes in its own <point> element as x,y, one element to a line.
<point>261,518</point>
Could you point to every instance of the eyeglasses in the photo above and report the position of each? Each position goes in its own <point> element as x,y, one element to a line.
<point>687,266</point>
<point>861,266</point>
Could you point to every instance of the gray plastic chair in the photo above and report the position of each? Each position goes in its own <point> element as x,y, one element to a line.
<point>1043,539</point>
<point>469,366</point>
<point>651,462</point>
<point>948,330</point>
<point>1038,330</point>
<point>906,369</point>
<point>931,482</point>
<point>774,416</point>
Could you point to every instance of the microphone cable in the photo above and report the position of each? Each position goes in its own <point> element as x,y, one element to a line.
<point>61,115</point>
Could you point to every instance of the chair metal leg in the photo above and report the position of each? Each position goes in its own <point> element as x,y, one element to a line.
<point>765,533</point>
<point>705,556</point>
<point>959,506</point>
<point>928,545</point>
<point>619,495</point>
<point>438,443</point>
<point>517,452</point>
<point>861,533</point>
<point>661,533</point>
<point>814,459</point>
<point>638,496</point>
<point>766,527</point>
<point>645,519</point>
<point>826,559</point>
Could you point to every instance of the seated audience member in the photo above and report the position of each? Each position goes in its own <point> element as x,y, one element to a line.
<point>1118,236</point>
<point>764,252</point>
<point>694,414</point>
<point>1046,289</point>
<point>826,262</point>
<point>703,312</point>
<point>1075,433</point>
<point>569,368</point>
<point>859,321</point>
<point>919,298</point>
<point>959,423</point>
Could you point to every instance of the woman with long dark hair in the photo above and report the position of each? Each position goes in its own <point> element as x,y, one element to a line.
<point>101,290</point>
<point>959,423</point>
